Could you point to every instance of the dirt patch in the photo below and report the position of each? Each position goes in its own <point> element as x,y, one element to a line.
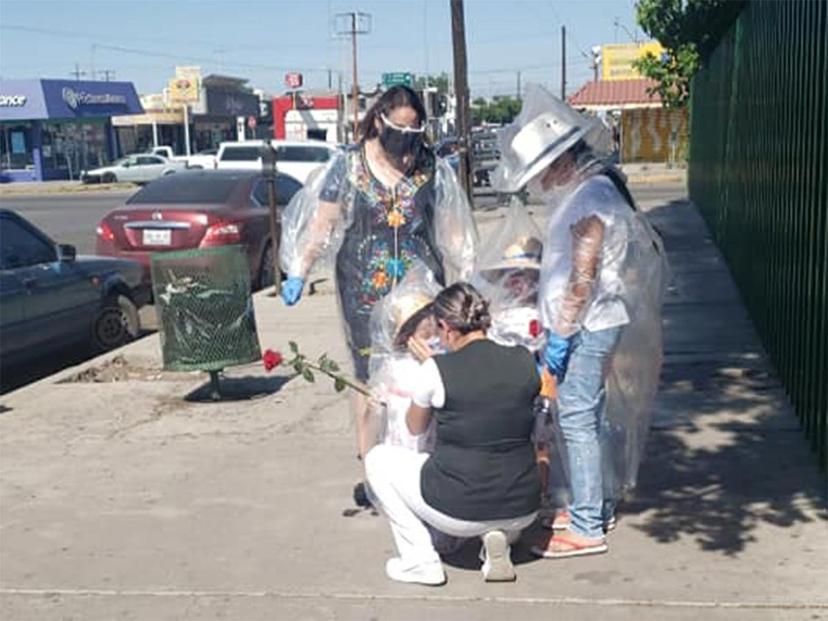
<point>119,369</point>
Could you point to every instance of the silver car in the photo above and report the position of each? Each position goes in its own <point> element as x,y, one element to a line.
<point>140,168</point>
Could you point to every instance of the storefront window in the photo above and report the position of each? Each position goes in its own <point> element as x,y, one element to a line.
<point>16,146</point>
<point>73,147</point>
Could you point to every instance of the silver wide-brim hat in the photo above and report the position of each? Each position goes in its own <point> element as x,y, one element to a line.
<point>543,131</point>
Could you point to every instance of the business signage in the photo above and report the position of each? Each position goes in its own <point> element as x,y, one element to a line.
<point>184,90</point>
<point>293,80</point>
<point>232,103</point>
<point>76,98</point>
<point>72,99</point>
<point>617,59</point>
<point>12,101</point>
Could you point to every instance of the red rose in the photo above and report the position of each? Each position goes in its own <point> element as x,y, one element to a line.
<point>271,359</point>
<point>534,328</point>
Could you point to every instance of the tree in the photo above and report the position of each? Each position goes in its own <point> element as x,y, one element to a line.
<point>502,109</point>
<point>440,81</point>
<point>689,30</point>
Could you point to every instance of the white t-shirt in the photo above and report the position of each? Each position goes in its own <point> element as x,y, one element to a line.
<point>429,391</point>
<point>398,386</point>
<point>596,196</point>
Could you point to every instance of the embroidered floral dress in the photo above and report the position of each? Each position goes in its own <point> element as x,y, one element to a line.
<point>377,234</point>
<point>390,229</point>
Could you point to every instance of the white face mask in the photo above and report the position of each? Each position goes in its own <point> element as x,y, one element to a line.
<point>435,345</point>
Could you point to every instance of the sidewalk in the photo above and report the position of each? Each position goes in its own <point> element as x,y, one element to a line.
<point>654,173</point>
<point>135,499</point>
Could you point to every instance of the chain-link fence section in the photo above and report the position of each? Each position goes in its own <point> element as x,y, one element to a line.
<point>205,309</point>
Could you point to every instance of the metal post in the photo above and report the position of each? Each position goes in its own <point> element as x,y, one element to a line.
<point>355,89</point>
<point>563,63</point>
<point>518,86</point>
<point>215,386</point>
<point>187,129</point>
<point>461,93</point>
<point>275,217</point>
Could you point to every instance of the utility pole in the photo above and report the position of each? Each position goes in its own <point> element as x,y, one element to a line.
<point>77,72</point>
<point>519,92</point>
<point>354,24</point>
<point>563,63</point>
<point>330,84</point>
<point>107,74</point>
<point>461,94</point>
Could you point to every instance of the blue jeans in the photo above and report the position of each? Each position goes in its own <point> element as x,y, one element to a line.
<point>581,399</point>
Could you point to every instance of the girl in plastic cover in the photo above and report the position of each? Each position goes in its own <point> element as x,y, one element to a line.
<point>382,204</point>
<point>601,290</point>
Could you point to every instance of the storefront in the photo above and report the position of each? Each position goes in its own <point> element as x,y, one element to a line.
<point>222,112</point>
<point>306,116</point>
<point>53,129</point>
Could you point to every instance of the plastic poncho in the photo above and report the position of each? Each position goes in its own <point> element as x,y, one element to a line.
<point>507,275</point>
<point>604,266</point>
<point>393,369</point>
<point>371,234</point>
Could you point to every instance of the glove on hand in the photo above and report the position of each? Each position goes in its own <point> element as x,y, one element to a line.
<point>556,353</point>
<point>292,290</point>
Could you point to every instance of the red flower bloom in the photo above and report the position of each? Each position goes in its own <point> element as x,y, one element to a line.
<point>271,359</point>
<point>534,328</point>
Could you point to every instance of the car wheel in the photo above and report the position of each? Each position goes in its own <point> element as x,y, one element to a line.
<point>266,275</point>
<point>115,324</point>
<point>109,178</point>
<point>197,167</point>
<point>166,173</point>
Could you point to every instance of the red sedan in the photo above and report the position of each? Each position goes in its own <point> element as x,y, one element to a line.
<point>197,209</point>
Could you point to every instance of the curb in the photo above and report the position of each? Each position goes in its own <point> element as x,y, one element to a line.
<point>10,191</point>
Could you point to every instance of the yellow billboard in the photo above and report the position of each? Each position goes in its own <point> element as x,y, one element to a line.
<point>617,59</point>
<point>183,90</point>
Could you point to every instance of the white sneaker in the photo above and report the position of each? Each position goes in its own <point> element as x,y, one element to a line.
<point>431,574</point>
<point>497,565</point>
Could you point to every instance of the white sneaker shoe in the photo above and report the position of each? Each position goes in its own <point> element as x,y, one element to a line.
<point>497,565</point>
<point>431,574</point>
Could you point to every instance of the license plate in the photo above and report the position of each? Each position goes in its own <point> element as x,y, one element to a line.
<point>157,237</point>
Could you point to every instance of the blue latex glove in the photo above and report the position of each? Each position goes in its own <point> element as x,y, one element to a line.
<point>556,354</point>
<point>292,289</point>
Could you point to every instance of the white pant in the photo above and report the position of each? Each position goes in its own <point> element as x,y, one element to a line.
<point>393,473</point>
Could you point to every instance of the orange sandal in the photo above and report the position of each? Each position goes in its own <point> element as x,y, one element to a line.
<point>563,546</point>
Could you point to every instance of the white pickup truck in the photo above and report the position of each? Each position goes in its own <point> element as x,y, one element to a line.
<point>202,160</point>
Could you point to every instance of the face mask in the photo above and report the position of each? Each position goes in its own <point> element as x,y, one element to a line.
<point>435,345</point>
<point>398,141</point>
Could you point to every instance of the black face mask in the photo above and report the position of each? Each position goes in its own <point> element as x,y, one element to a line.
<point>397,144</point>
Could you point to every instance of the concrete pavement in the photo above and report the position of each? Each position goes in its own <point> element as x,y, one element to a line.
<point>136,499</point>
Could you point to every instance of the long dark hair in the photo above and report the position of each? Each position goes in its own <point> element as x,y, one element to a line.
<point>395,97</point>
<point>462,308</point>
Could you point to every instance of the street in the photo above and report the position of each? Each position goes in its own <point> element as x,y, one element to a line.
<point>71,219</point>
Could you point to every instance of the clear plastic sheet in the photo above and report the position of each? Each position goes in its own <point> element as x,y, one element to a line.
<point>508,277</point>
<point>603,265</point>
<point>393,368</point>
<point>316,220</point>
<point>543,130</point>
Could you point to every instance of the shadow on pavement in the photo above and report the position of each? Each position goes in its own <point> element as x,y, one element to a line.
<point>238,389</point>
<point>726,455</point>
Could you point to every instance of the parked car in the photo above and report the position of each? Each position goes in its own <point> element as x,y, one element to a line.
<point>297,159</point>
<point>51,298</point>
<point>141,168</point>
<point>203,159</point>
<point>197,209</point>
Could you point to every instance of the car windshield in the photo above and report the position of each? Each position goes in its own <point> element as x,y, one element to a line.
<point>183,188</point>
<point>240,154</point>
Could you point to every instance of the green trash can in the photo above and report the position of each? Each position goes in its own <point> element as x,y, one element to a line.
<point>205,309</point>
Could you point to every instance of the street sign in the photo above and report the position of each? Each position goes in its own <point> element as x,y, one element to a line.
<point>392,79</point>
<point>293,80</point>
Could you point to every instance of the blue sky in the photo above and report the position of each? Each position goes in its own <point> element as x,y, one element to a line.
<point>142,41</point>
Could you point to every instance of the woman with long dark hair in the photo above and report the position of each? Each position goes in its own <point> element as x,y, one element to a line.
<point>383,204</point>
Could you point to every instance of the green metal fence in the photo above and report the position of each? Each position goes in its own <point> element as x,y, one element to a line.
<point>759,174</point>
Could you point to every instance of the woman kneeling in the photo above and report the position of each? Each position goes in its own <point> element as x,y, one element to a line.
<point>481,479</point>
